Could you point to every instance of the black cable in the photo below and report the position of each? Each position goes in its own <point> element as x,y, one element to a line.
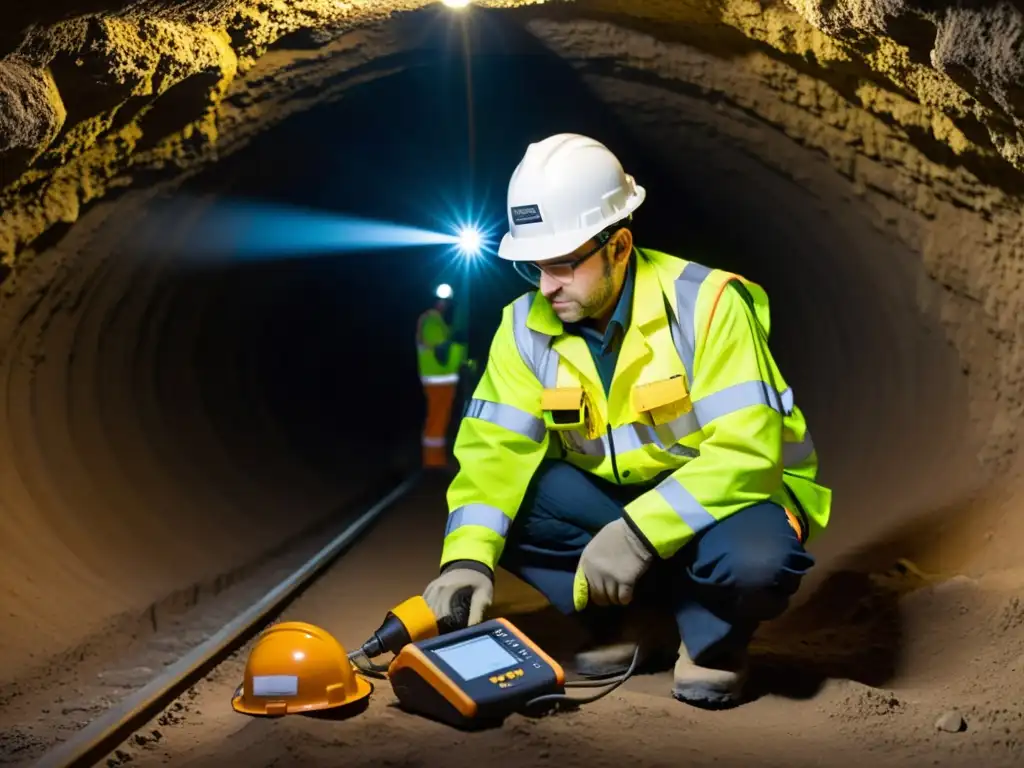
<point>363,664</point>
<point>565,698</point>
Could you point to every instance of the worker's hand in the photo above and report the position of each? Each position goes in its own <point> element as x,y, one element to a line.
<point>611,563</point>
<point>440,593</point>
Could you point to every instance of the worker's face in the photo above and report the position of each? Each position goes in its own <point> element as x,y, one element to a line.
<point>595,282</point>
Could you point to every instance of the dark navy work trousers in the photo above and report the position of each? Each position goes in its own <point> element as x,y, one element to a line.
<point>720,586</point>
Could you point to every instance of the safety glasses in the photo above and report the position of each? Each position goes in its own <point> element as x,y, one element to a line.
<point>563,271</point>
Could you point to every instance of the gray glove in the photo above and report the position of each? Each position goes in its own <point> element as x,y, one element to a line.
<point>440,592</point>
<point>611,564</point>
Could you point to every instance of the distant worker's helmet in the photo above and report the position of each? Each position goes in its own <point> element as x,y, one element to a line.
<point>565,190</point>
<point>297,667</point>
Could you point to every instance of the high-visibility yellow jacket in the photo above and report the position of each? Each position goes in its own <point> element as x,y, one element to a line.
<point>696,400</point>
<point>433,335</point>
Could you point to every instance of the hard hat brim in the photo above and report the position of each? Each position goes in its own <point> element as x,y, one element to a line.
<point>245,706</point>
<point>560,245</point>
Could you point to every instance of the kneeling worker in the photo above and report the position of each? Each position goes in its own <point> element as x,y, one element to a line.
<point>631,434</point>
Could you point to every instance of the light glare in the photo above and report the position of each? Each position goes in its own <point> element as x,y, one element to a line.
<point>444,291</point>
<point>470,241</point>
<point>456,3</point>
<point>250,231</point>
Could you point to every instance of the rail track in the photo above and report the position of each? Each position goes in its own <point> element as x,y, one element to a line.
<point>103,735</point>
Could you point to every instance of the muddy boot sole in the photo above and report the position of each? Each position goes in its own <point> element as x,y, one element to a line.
<point>709,688</point>
<point>706,697</point>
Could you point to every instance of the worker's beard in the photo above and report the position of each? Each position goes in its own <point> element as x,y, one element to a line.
<point>598,301</point>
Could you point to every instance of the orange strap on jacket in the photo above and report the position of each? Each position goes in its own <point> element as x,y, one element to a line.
<point>794,523</point>
<point>714,303</point>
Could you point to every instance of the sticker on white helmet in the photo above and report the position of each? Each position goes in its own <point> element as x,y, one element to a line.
<point>526,214</point>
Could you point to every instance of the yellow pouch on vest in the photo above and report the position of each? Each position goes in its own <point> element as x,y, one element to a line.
<point>664,400</point>
<point>565,408</point>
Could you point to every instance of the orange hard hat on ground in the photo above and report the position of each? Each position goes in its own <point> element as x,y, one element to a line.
<point>297,667</point>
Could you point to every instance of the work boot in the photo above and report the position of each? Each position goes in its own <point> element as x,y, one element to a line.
<point>614,654</point>
<point>713,684</point>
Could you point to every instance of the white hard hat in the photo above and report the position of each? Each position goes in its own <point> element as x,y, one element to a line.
<point>565,190</point>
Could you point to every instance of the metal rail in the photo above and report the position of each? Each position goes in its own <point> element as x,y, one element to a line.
<point>102,735</point>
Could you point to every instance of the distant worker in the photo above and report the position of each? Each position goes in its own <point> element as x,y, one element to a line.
<point>440,358</point>
<point>631,441</point>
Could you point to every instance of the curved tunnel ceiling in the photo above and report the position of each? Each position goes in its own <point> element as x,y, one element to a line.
<point>862,162</point>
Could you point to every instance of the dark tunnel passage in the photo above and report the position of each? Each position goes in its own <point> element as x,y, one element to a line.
<point>241,402</point>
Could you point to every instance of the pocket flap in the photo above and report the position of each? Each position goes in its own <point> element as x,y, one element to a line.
<point>565,408</point>
<point>659,394</point>
<point>562,399</point>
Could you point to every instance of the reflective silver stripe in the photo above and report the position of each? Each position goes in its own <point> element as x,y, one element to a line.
<point>683,330</point>
<point>440,378</point>
<point>676,429</point>
<point>478,514</point>
<point>434,442</point>
<point>597,446</point>
<point>734,398</point>
<point>797,453</point>
<point>507,416</point>
<point>534,347</point>
<point>787,401</point>
<point>684,451</point>
<point>685,505</point>
<point>681,427</point>
<point>630,437</point>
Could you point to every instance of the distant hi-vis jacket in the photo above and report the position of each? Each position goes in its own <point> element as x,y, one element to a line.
<point>696,400</point>
<point>432,334</point>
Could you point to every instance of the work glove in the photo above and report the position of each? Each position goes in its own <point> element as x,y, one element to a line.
<point>610,566</point>
<point>441,593</point>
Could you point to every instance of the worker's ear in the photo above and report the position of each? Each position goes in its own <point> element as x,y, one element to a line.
<point>623,244</point>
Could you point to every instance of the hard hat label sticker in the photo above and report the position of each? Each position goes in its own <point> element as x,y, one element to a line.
<point>275,685</point>
<point>526,214</point>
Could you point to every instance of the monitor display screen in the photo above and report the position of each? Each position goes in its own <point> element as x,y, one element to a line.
<point>476,657</point>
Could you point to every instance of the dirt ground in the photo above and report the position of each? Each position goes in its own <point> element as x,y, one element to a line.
<point>816,702</point>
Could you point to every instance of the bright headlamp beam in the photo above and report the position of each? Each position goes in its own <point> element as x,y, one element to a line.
<point>444,291</point>
<point>456,3</point>
<point>253,231</point>
<point>470,241</point>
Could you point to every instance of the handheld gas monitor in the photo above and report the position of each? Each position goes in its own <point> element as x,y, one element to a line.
<point>474,677</point>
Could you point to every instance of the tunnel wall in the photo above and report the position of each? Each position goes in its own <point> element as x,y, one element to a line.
<point>144,466</point>
<point>130,487</point>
